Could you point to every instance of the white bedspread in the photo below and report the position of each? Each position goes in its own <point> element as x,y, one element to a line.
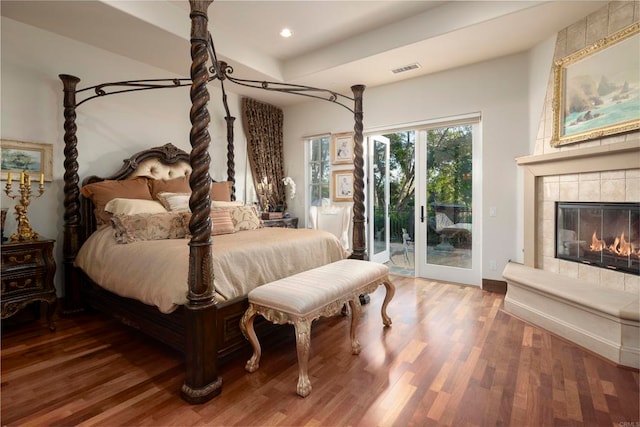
<point>155,272</point>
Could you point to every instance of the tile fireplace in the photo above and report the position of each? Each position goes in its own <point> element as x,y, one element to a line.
<point>605,235</point>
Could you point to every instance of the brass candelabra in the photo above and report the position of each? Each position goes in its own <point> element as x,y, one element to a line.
<point>24,232</point>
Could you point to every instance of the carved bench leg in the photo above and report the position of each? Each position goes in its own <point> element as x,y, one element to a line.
<point>246,325</point>
<point>391,290</point>
<point>355,319</point>
<point>303,344</point>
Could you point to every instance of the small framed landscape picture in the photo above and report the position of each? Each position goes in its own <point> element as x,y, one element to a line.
<point>32,158</point>
<point>342,185</point>
<point>342,148</point>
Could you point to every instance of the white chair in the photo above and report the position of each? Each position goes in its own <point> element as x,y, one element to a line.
<point>334,219</point>
<point>447,229</point>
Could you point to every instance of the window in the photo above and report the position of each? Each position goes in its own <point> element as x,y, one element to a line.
<point>319,170</point>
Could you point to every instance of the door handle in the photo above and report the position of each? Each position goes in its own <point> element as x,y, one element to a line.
<point>421,213</point>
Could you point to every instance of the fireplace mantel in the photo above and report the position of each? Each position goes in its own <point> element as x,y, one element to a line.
<point>610,157</point>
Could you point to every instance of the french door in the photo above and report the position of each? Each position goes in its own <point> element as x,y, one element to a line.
<point>448,202</point>
<point>378,198</point>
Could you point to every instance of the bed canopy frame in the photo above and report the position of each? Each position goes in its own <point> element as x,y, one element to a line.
<point>191,328</point>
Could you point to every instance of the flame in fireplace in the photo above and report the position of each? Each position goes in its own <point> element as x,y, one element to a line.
<point>597,244</point>
<point>620,246</point>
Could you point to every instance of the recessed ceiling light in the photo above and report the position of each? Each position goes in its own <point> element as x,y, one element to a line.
<point>286,33</point>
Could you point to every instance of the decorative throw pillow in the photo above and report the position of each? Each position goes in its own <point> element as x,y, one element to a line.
<point>102,192</point>
<point>222,222</point>
<point>175,202</point>
<point>175,185</point>
<point>135,228</point>
<point>243,217</point>
<point>133,206</point>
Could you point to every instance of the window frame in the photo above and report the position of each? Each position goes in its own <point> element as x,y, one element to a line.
<point>309,143</point>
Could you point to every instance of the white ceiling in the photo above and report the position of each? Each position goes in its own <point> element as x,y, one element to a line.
<point>335,44</point>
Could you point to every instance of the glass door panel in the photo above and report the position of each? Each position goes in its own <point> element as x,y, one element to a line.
<point>378,196</point>
<point>448,249</point>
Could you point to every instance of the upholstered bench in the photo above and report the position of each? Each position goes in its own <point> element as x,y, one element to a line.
<point>306,296</point>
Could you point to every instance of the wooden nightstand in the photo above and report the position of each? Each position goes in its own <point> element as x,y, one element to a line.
<point>291,222</point>
<point>28,269</point>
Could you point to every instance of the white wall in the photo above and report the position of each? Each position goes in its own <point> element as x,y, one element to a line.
<point>540,77</point>
<point>498,89</point>
<point>109,129</point>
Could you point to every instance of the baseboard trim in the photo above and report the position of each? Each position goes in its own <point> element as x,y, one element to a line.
<point>496,286</point>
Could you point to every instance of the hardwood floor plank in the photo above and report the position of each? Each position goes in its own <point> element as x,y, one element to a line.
<point>452,357</point>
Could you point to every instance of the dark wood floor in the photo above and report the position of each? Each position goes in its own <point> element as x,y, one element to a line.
<point>452,357</point>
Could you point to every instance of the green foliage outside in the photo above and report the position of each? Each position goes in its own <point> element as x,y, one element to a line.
<point>401,183</point>
<point>449,166</point>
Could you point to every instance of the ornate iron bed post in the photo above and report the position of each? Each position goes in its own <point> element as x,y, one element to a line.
<point>359,245</point>
<point>72,227</point>
<point>202,381</point>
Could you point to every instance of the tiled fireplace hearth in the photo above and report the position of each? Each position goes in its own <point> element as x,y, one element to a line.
<point>597,308</point>
<point>602,174</point>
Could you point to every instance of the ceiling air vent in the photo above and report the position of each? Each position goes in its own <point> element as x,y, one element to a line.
<point>406,68</point>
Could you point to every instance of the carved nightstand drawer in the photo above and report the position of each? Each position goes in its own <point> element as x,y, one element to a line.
<point>30,258</point>
<point>28,269</point>
<point>15,283</point>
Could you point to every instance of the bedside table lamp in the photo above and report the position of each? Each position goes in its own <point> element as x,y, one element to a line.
<point>24,232</point>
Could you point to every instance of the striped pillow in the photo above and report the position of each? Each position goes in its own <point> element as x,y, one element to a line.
<point>222,223</point>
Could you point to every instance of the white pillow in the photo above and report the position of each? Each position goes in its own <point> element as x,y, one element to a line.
<point>175,202</point>
<point>221,204</point>
<point>134,206</point>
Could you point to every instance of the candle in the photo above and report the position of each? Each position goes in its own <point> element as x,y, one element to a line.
<point>41,179</point>
<point>8,178</point>
<point>21,178</point>
<point>29,180</point>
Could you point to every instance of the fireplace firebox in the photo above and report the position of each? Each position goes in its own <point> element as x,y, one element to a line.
<point>605,235</point>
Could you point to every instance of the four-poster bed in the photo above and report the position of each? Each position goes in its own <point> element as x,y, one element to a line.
<point>205,327</point>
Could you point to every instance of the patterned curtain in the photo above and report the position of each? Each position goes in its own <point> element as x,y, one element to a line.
<point>263,128</point>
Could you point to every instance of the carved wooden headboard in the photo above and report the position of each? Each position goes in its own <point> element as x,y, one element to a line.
<point>165,162</point>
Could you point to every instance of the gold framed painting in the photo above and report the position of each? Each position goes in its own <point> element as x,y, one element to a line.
<point>596,90</point>
<point>31,157</point>
<point>342,146</point>
<point>342,185</point>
